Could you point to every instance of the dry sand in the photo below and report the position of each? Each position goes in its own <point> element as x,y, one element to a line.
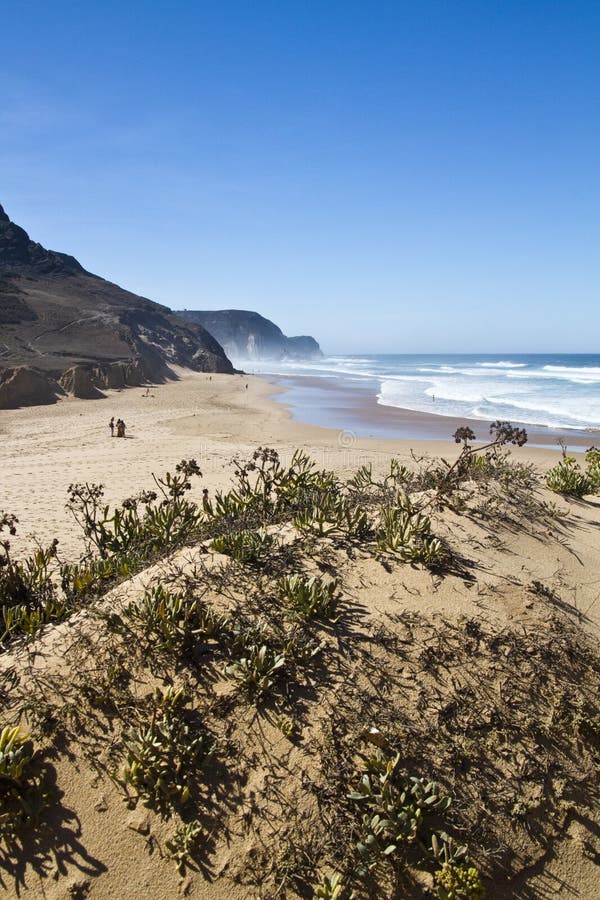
<point>212,419</point>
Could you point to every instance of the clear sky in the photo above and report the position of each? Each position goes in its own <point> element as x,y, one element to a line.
<point>387,176</point>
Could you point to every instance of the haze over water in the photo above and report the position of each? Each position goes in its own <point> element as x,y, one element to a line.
<point>557,391</point>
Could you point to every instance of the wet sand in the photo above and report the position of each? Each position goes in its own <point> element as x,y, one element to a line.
<point>327,401</point>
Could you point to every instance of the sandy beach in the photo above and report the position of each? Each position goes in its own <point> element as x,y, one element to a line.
<point>210,418</point>
<point>505,632</point>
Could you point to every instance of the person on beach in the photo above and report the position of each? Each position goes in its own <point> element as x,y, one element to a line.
<point>120,428</point>
<point>111,425</point>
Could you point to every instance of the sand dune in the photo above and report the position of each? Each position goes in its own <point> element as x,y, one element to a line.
<point>429,659</point>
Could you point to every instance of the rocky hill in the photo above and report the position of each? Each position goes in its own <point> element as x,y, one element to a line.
<point>247,335</point>
<point>65,330</point>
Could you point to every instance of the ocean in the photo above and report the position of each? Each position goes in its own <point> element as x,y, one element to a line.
<point>553,392</point>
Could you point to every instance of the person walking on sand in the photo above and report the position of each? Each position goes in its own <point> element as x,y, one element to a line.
<point>111,425</point>
<point>120,428</point>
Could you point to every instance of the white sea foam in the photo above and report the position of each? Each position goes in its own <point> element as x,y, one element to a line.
<point>577,376</point>
<point>582,370</point>
<point>455,396</point>
<point>501,365</point>
<point>539,391</point>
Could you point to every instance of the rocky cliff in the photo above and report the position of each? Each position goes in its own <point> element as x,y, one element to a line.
<point>64,330</point>
<point>247,335</point>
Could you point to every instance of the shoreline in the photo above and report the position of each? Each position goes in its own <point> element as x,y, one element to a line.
<point>365,417</point>
<point>212,418</point>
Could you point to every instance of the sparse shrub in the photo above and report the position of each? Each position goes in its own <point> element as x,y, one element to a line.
<point>301,483</point>
<point>331,514</point>
<point>399,476</point>
<point>258,662</point>
<point>16,751</point>
<point>144,524</point>
<point>245,634</point>
<point>504,433</point>
<point>247,547</point>
<point>121,541</point>
<point>433,554</point>
<point>26,620</point>
<point>357,524</point>
<point>464,434</point>
<point>300,646</point>
<point>318,519</point>
<point>405,531</point>
<point>173,622</point>
<point>257,672</point>
<point>257,479</point>
<point>592,458</point>
<point>395,805</point>
<point>458,880</point>
<point>269,490</point>
<point>333,888</point>
<point>82,580</point>
<point>447,479</point>
<point>23,795</point>
<point>362,479</point>
<point>167,619</point>
<point>445,850</point>
<point>287,727</point>
<point>184,844</point>
<point>164,753</point>
<point>311,598</point>
<point>566,477</point>
<point>480,467</point>
<point>28,595</point>
<point>227,505</point>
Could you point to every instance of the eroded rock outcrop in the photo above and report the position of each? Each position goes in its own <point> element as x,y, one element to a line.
<point>25,386</point>
<point>79,381</point>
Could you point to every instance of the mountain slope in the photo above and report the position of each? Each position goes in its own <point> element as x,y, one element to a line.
<point>63,329</point>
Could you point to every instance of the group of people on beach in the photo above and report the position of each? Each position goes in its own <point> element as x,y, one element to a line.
<point>119,425</point>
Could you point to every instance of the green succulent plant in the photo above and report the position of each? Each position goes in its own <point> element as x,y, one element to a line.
<point>184,844</point>
<point>394,805</point>
<point>257,672</point>
<point>16,751</point>
<point>309,597</point>
<point>567,477</point>
<point>163,753</point>
<point>248,547</point>
<point>459,880</point>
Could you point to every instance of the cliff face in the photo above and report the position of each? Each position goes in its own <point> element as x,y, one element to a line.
<point>56,318</point>
<point>247,335</point>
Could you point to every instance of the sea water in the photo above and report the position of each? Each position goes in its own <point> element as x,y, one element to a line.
<point>555,391</point>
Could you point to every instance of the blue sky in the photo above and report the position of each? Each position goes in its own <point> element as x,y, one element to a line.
<point>389,177</point>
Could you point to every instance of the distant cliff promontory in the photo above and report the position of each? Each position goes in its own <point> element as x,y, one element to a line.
<point>64,330</point>
<point>246,335</point>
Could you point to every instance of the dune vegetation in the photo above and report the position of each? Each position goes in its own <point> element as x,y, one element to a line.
<point>253,695</point>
